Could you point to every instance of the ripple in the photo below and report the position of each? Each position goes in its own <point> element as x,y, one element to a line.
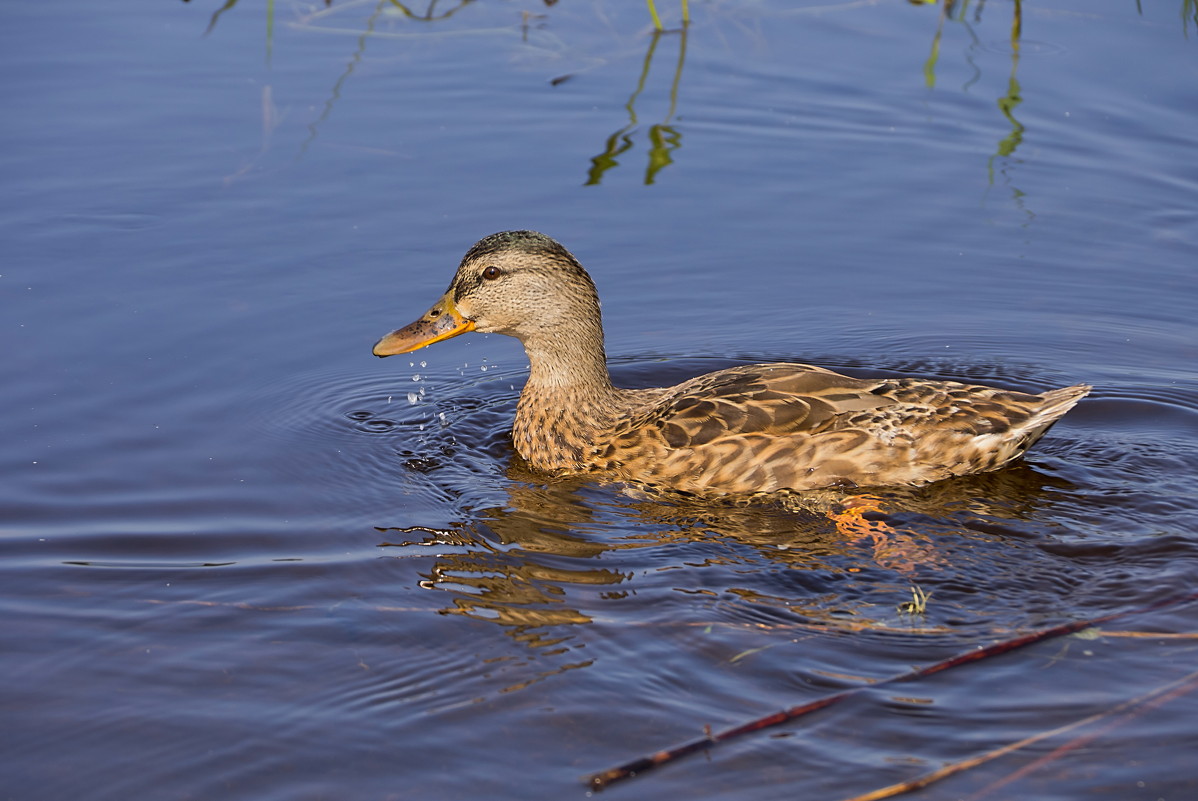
<point>437,435</point>
<point>1027,47</point>
<point>106,221</point>
<point>148,564</point>
<point>1168,406</point>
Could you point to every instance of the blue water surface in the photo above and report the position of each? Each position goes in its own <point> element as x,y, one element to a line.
<point>244,559</point>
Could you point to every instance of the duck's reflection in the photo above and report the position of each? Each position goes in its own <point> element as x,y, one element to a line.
<point>558,546</point>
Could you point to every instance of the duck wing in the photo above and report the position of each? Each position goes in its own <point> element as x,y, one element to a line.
<point>764,428</point>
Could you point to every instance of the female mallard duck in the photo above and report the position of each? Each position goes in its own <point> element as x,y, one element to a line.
<point>756,429</point>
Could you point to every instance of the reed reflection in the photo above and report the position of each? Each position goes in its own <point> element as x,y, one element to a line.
<point>957,11</point>
<point>664,139</point>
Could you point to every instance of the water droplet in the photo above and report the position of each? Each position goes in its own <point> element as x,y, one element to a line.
<point>413,398</point>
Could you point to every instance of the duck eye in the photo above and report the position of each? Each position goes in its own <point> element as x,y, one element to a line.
<point>492,272</point>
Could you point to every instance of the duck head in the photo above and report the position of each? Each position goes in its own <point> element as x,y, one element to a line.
<point>520,283</point>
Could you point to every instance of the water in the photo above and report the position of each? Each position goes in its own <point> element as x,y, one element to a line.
<point>243,558</point>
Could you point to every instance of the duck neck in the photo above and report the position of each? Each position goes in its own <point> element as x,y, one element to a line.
<point>568,362</point>
<point>568,401</point>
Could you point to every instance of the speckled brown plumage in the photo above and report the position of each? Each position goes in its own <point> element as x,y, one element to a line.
<point>755,429</point>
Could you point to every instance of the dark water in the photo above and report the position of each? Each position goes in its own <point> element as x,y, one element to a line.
<point>242,558</point>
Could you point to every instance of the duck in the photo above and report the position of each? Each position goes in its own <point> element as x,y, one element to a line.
<point>746,430</point>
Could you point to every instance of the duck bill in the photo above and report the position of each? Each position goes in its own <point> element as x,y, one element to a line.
<point>440,322</point>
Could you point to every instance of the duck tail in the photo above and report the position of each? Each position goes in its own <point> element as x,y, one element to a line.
<point>1056,403</point>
